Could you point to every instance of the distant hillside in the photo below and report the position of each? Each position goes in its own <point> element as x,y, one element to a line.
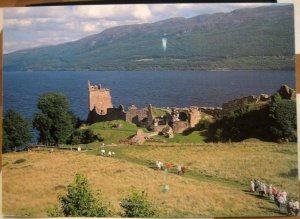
<point>255,38</point>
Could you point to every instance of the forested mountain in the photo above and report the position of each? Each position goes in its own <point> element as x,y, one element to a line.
<point>252,38</point>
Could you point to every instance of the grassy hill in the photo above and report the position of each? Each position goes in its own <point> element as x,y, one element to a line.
<point>259,38</point>
<point>110,134</point>
<point>216,183</point>
<point>113,135</point>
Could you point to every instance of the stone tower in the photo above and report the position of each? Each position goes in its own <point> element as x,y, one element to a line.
<point>99,99</point>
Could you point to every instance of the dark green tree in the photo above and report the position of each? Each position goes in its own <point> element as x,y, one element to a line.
<point>85,136</point>
<point>54,122</point>
<point>137,204</point>
<point>16,129</point>
<point>5,140</point>
<point>80,202</point>
<point>75,138</point>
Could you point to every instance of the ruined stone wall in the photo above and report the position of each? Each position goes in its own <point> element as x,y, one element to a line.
<point>194,116</point>
<point>116,114</point>
<point>180,126</point>
<point>137,116</point>
<point>99,98</point>
<point>112,114</point>
<point>150,116</point>
<point>159,128</point>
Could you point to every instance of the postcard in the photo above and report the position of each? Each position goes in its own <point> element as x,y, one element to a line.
<point>150,110</point>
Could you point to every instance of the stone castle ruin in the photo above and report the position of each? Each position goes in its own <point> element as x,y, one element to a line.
<point>99,99</point>
<point>167,121</point>
<point>162,120</point>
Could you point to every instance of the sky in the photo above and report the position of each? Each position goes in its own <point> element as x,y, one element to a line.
<point>40,26</point>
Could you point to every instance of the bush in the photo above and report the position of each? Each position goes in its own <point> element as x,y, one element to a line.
<point>55,212</point>
<point>202,125</point>
<point>284,117</point>
<point>83,137</point>
<point>80,202</point>
<point>247,122</point>
<point>274,121</point>
<point>137,205</point>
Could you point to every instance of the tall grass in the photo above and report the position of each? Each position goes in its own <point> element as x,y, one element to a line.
<point>238,162</point>
<point>33,186</point>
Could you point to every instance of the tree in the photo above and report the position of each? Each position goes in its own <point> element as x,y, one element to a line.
<point>137,205</point>
<point>54,122</point>
<point>16,129</point>
<point>80,202</point>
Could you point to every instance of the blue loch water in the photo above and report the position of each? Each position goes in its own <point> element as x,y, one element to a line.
<point>172,88</point>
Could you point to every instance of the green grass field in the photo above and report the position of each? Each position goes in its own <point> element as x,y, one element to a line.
<point>216,184</point>
<point>114,135</point>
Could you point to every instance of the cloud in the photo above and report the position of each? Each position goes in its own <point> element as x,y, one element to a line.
<point>89,27</point>
<point>114,12</point>
<point>15,23</point>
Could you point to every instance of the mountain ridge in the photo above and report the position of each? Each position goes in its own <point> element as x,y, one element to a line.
<point>244,39</point>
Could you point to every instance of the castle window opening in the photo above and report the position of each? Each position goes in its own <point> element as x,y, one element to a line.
<point>183,116</point>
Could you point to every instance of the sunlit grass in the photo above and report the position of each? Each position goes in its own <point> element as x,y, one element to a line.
<point>111,134</point>
<point>30,187</point>
<point>238,162</point>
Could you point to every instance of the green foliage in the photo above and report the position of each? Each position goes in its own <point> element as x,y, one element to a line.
<point>272,122</point>
<point>20,160</point>
<point>137,204</point>
<point>285,121</point>
<point>80,202</point>
<point>203,125</point>
<point>85,136</point>
<point>25,212</point>
<point>5,140</point>
<point>274,103</point>
<point>16,129</point>
<point>54,122</point>
<point>55,212</point>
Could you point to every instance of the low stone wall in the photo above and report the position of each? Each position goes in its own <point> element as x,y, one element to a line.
<point>137,116</point>
<point>180,126</point>
<point>159,128</point>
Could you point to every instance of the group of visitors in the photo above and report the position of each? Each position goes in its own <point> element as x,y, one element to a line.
<point>160,166</point>
<point>109,154</point>
<point>280,198</point>
<point>181,169</point>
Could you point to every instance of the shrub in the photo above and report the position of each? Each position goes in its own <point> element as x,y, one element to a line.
<point>84,137</point>
<point>137,205</point>
<point>80,202</point>
<point>284,116</point>
<point>88,136</point>
<point>55,212</point>
<point>202,125</point>
<point>24,212</point>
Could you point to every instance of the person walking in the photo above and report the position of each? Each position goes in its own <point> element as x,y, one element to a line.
<point>252,186</point>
